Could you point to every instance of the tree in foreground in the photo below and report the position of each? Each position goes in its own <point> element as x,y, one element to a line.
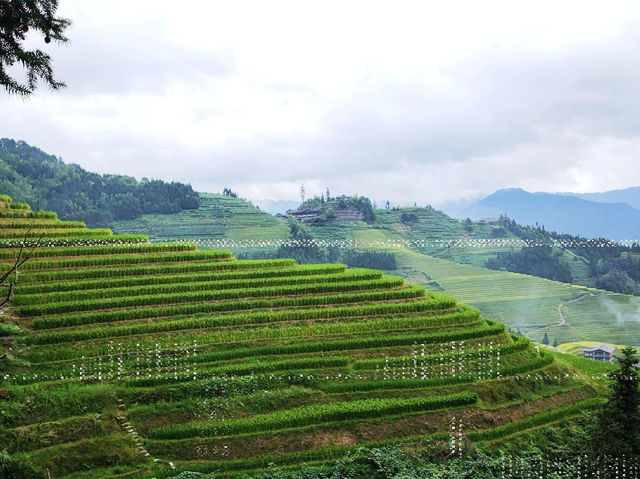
<point>617,426</point>
<point>17,19</point>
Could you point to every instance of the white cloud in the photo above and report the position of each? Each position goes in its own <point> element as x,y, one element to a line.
<point>412,101</point>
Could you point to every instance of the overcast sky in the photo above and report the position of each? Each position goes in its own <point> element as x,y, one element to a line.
<point>408,101</point>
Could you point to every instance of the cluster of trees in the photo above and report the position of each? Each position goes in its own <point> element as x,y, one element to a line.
<point>228,192</point>
<point>28,174</point>
<point>409,218</point>
<point>614,267</point>
<point>304,250</point>
<point>327,205</point>
<point>537,261</point>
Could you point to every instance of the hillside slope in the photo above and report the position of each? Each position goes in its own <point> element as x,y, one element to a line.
<point>219,218</point>
<point>143,359</point>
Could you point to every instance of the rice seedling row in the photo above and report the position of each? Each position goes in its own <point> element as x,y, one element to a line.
<point>176,267</point>
<point>74,319</point>
<point>366,408</point>
<point>193,285</point>
<point>205,293</point>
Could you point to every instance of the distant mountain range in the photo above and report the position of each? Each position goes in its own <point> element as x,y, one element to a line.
<point>611,214</point>
<point>629,196</point>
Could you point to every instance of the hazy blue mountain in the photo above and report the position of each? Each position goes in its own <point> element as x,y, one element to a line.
<point>561,213</point>
<point>456,208</point>
<point>630,196</point>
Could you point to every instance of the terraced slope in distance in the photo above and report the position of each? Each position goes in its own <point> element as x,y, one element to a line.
<point>219,217</point>
<point>150,358</point>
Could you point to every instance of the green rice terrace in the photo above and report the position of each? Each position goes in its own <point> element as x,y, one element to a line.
<point>430,248</point>
<point>126,358</point>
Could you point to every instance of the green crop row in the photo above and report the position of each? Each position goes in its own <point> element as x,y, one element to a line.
<point>120,239</point>
<point>419,383</point>
<point>306,415</point>
<point>245,369</point>
<point>19,206</point>
<point>74,319</point>
<point>190,286</point>
<point>534,421</point>
<point>440,302</point>
<point>463,353</point>
<point>127,259</point>
<point>297,348</point>
<point>390,384</point>
<point>306,347</point>
<point>263,269</point>
<point>55,233</point>
<point>248,467</point>
<point>544,360</point>
<point>153,269</point>
<point>168,376</point>
<point>349,325</point>
<point>27,214</point>
<point>100,250</point>
<point>29,223</point>
<point>193,293</point>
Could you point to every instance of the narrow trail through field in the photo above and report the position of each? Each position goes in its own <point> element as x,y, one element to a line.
<point>126,426</point>
<point>563,320</point>
<point>561,314</point>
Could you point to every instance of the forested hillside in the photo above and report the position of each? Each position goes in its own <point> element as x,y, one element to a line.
<point>32,176</point>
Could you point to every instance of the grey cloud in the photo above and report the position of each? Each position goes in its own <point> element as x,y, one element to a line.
<point>532,115</point>
<point>123,63</point>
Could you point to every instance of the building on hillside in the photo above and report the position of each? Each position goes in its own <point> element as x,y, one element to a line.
<point>343,215</point>
<point>302,215</point>
<point>602,352</point>
<point>347,214</point>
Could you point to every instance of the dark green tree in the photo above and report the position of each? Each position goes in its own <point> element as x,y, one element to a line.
<point>545,339</point>
<point>555,342</point>
<point>617,425</point>
<point>17,19</point>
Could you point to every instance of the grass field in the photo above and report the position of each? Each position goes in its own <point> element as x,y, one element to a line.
<point>163,358</point>
<point>519,301</point>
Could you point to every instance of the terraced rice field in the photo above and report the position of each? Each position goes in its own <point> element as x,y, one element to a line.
<point>143,359</point>
<point>219,217</point>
